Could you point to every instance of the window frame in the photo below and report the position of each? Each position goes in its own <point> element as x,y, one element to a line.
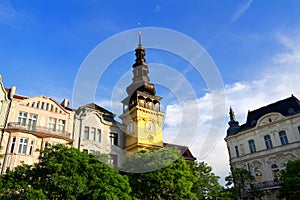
<point>268,141</point>
<point>283,137</point>
<point>252,146</point>
<point>23,144</point>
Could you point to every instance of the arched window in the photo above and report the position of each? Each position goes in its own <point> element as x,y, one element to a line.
<point>252,146</point>
<point>268,141</point>
<point>283,137</point>
<point>276,172</point>
<point>258,175</point>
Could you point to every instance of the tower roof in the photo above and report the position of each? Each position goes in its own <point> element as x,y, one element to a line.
<point>140,81</point>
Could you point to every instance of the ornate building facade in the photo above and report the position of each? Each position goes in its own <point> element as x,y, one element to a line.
<point>96,131</point>
<point>266,142</point>
<point>30,125</point>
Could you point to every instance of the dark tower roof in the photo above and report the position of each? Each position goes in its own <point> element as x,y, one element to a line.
<point>140,81</point>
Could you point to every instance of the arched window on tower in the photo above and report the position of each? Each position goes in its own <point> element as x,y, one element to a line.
<point>156,105</point>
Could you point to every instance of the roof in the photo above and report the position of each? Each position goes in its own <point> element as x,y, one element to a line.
<point>185,152</point>
<point>286,107</point>
<point>98,108</point>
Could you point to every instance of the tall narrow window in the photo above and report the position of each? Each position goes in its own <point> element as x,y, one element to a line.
<point>283,137</point>
<point>252,146</point>
<point>268,141</point>
<point>237,153</point>
<point>86,133</point>
<point>52,124</point>
<point>93,133</point>
<point>61,125</point>
<point>23,143</point>
<point>32,121</point>
<point>31,147</point>
<point>13,143</point>
<point>22,118</point>
<point>114,138</point>
<point>276,172</point>
<point>98,135</point>
<point>42,106</point>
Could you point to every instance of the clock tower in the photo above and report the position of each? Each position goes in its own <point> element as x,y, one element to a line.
<point>141,108</point>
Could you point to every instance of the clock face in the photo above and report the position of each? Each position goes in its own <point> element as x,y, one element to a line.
<point>130,127</point>
<point>149,126</point>
<point>150,137</point>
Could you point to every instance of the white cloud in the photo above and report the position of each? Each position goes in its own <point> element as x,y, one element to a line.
<point>277,82</point>
<point>241,11</point>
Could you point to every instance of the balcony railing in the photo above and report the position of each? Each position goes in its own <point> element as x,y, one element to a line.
<point>38,129</point>
<point>266,184</point>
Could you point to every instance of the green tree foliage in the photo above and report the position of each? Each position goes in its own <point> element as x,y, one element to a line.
<point>173,181</point>
<point>241,180</point>
<point>206,185</point>
<point>64,173</point>
<point>290,178</point>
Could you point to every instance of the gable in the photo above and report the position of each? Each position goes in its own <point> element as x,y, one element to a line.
<point>269,118</point>
<point>44,103</point>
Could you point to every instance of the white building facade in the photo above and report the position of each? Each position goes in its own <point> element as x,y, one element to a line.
<point>265,143</point>
<point>96,131</point>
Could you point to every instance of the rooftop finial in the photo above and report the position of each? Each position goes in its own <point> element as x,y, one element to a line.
<point>231,114</point>
<point>140,39</point>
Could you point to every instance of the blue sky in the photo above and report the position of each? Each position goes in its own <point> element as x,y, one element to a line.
<point>254,44</point>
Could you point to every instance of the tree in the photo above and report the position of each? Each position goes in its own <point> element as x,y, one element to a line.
<point>173,181</point>
<point>206,185</point>
<point>290,178</point>
<point>241,180</point>
<point>64,173</point>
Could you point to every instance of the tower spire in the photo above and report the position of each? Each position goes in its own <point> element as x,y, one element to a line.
<point>140,39</point>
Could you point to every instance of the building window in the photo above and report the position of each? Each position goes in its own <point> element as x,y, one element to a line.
<point>276,172</point>
<point>31,147</point>
<point>22,118</point>
<point>268,141</point>
<point>98,135</point>
<point>252,146</point>
<point>114,139</point>
<point>299,129</point>
<point>86,133</point>
<point>283,137</point>
<point>13,143</point>
<point>52,124</point>
<point>32,121</point>
<point>23,143</point>
<point>61,125</point>
<point>42,107</point>
<point>258,175</point>
<point>237,151</point>
<point>93,134</point>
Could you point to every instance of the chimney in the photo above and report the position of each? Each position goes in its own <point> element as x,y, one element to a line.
<point>12,92</point>
<point>65,103</point>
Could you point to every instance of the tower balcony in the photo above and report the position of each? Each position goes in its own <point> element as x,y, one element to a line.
<point>39,131</point>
